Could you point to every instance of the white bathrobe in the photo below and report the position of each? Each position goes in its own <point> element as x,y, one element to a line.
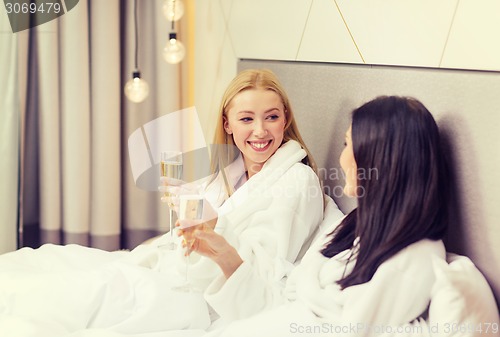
<point>268,220</point>
<point>398,293</point>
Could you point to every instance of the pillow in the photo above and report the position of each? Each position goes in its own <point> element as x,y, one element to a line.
<point>462,303</point>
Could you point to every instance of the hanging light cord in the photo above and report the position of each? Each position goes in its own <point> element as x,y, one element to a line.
<point>173,17</point>
<point>136,36</point>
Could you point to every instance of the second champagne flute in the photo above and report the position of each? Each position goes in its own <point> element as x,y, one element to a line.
<point>190,218</point>
<point>171,167</point>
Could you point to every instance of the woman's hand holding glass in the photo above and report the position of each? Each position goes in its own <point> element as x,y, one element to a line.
<point>172,190</point>
<point>194,211</point>
<point>206,242</point>
<point>186,229</point>
<point>190,212</point>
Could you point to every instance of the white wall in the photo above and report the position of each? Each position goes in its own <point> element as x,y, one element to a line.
<point>460,34</point>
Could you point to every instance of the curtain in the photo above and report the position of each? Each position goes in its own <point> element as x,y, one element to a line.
<point>143,214</point>
<point>76,185</point>
<point>11,87</point>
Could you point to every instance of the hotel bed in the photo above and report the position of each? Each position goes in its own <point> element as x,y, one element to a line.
<point>127,291</point>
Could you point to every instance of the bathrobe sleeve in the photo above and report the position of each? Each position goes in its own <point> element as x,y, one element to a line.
<point>398,293</point>
<point>269,239</point>
<point>388,305</point>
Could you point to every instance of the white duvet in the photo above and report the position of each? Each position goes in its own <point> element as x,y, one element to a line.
<point>77,291</point>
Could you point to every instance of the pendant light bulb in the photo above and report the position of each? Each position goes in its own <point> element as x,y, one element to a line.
<point>173,9</point>
<point>136,89</point>
<point>174,51</point>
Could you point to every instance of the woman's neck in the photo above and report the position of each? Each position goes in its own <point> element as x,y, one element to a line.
<point>249,172</point>
<point>252,168</point>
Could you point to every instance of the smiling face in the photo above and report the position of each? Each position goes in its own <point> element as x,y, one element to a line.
<point>256,120</point>
<point>349,166</point>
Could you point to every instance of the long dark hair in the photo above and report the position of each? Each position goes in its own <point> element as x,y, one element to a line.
<point>402,187</point>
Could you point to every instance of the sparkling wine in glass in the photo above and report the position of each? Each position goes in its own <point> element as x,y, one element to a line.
<point>190,218</point>
<point>171,167</point>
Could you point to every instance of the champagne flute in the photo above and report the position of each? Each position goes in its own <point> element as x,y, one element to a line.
<point>190,218</point>
<point>171,167</point>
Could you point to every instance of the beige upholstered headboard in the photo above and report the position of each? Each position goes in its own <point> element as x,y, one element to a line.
<point>466,105</point>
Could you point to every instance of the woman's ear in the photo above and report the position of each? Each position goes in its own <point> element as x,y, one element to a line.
<point>227,128</point>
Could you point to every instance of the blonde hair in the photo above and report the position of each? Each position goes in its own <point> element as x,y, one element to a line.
<point>265,79</point>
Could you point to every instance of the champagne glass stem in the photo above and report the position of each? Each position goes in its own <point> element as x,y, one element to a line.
<point>171,221</point>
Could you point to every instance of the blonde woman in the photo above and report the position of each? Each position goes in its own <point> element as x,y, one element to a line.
<point>267,195</point>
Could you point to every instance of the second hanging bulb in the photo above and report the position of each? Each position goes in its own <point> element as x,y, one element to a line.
<point>173,9</point>
<point>174,51</point>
